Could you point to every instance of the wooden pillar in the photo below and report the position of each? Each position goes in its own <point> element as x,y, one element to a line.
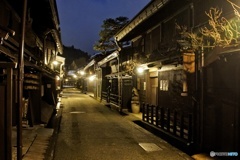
<point>9,113</point>
<point>2,122</point>
<point>6,113</point>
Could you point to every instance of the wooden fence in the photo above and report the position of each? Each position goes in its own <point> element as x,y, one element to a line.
<point>111,98</point>
<point>174,122</point>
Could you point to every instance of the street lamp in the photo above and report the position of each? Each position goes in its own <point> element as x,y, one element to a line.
<point>55,62</point>
<point>74,76</point>
<point>57,78</point>
<point>82,73</point>
<point>140,70</point>
<point>91,78</point>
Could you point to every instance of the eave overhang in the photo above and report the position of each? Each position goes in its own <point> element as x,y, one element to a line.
<point>108,58</point>
<point>151,15</point>
<point>58,41</point>
<point>89,64</point>
<point>45,18</point>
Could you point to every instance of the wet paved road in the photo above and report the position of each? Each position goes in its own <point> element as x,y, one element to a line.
<point>91,131</point>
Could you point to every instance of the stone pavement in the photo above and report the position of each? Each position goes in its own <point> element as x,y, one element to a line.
<point>91,130</point>
<point>35,142</point>
<point>39,142</point>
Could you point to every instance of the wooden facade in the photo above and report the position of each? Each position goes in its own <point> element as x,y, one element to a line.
<point>112,82</point>
<point>42,46</point>
<point>202,82</point>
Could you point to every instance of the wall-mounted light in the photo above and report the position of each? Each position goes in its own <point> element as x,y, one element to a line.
<point>57,78</point>
<point>55,62</point>
<point>140,70</point>
<point>74,76</point>
<point>82,73</point>
<point>91,78</point>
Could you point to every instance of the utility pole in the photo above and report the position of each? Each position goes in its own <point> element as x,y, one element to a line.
<point>20,81</point>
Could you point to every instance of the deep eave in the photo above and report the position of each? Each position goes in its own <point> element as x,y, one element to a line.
<point>45,18</point>
<point>151,15</point>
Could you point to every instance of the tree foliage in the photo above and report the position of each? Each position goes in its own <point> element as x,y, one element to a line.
<point>220,31</point>
<point>109,27</point>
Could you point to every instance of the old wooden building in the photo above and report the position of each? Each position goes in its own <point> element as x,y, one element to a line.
<point>189,85</point>
<point>42,46</point>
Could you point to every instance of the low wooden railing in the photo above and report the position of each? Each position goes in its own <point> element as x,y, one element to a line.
<point>111,98</point>
<point>174,122</point>
<point>104,96</point>
<point>114,98</point>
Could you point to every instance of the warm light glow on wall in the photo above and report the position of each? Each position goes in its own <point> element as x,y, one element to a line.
<point>91,78</point>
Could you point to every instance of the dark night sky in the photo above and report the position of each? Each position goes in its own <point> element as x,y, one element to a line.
<point>81,20</point>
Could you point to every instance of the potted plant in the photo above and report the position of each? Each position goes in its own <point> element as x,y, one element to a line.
<point>135,105</point>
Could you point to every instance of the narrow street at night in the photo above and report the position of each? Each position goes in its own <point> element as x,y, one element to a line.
<point>89,130</point>
<point>119,80</point>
